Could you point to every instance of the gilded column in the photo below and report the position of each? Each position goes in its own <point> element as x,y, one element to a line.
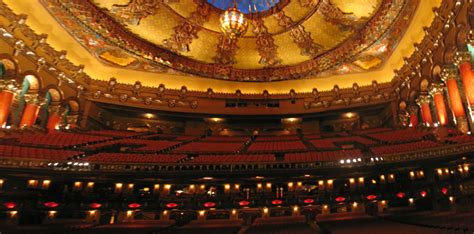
<point>424,102</point>
<point>463,59</point>
<point>413,110</point>
<point>449,76</point>
<point>30,113</point>
<point>7,94</point>
<point>467,75</point>
<point>54,119</point>
<point>437,92</point>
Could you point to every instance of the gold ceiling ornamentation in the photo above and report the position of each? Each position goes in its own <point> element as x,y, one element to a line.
<point>334,15</point>
<point>308,3</point>
<point>226,49</point>
<point>136,10</point>
<point>300,36</point>
<point>187,30</point>
<point>265,44</point>
<point>297,41</point>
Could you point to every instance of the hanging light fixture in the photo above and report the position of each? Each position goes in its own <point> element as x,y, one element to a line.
<point>233,22</point>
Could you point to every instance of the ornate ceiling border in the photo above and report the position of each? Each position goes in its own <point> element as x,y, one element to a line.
<point>393,14</point>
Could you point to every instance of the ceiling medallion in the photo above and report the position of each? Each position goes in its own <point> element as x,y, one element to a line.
<point>233,22</point>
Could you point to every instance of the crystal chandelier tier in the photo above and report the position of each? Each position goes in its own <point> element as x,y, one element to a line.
<point>233,22</point>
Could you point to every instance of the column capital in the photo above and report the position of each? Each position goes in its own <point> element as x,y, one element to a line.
<point>437,88</point>
<point>423,99</point>
<point>9,85</point>
<point>449,73</point>
<point>34,99</point>
<point>462,57</point>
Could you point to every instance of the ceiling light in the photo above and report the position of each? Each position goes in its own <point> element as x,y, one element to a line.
<point>233,22</point>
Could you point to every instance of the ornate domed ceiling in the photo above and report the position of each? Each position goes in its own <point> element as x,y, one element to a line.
<point>286,39</point>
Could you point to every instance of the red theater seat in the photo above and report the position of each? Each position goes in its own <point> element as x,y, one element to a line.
<point>36,153</point>
<point>134,158</point>
<point>272,146</point>
<point>323,156</point>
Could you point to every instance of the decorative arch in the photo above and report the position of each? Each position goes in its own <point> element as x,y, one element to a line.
<point>424,85</point>
<point>73,105</point>
<point>55,93</point>
<point>8,66</point>
<point>436,73</point>
<point>31,82</point>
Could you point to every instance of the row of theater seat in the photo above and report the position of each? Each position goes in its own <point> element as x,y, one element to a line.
<point>276,146</point>
<point>59,139</point>
<point>397,136</point>
<point>400,148</point>
<point>278,138</point>
<point>112,133</point>
<point>234,158</point>
<point>226,139</point>
<point>146,145</point>
<point>210,147</point>
<point>36,153</point>
<point>134,158</point>
<point>461,139</point>
<point>328,143</point>
<point>323,156</point>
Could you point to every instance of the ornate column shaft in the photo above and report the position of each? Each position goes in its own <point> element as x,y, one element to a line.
<point>30,113</point>
<point>7,94</point>
<point>437,92</point>
<point>449,76</point>
<point>54,119</point>
<point>424,102</point>
<point>413,110</point>
<point>467,75</point>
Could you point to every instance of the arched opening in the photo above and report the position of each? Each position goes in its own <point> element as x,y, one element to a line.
<point>51,111</point>
<point>71,113</point>
<point>8,68</point>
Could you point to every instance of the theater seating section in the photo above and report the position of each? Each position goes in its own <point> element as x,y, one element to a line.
<point>142,145</point>
<point>397,136</point>
<point>399,148</point>
<point>330,143</point>
<point>128,147</point>
<point>225,139</point>
<point>210,147</point>
<point>135,158</point>
<point>36,153</point>
<point>60,139</point>
<point>323,156</point>
<point>272,146</point>
<point>234,158</point>
<point>278,138</point>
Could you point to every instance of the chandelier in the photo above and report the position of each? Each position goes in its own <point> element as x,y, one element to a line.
<point>233,22</point>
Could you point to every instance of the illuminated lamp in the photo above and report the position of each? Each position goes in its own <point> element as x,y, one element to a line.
<point>134,205</point>
<point>244,203</point>
<point>340,199</point>
<point>171,205</point>
<point>51,204</point>
<point>401,195</point>
<point>371,197</point>
<point>95,205</point>
<point>423,193</point>
<point>209,204</point>
<point>277,202</point>
<point>9,205</point>
<point>444,190</point>
<point>308,201</point>
<point>233,22</point>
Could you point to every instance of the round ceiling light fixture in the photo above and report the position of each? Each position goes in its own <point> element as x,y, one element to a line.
<point>233,22</point>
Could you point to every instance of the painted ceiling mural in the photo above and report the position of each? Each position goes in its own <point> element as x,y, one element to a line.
<point>290,39</point>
